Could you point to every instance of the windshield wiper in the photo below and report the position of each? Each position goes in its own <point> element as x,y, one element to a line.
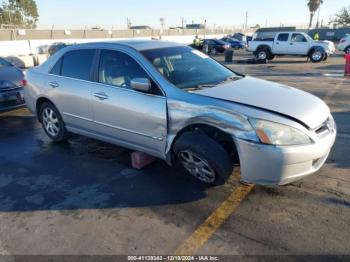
<point>231,78</point>
<point>203,86</point>
<point>199,87</point>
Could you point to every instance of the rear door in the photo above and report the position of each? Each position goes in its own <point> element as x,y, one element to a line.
<point>298,44</point>
<point>69,87</point>
<point>131,118</point>
<point>281,44</point>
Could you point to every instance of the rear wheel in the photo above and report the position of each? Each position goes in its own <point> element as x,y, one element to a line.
<point>52,122</point>
<point>347,50</point>
<point>205,49</point>
<point>262,54</point>
<point>213,51</point>
<point>203,158</point>
<point>316,56</point>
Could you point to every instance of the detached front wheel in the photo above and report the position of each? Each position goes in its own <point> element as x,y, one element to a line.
<point>203,158</point>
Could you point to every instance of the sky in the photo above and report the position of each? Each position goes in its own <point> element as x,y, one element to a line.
<point>74,14</point>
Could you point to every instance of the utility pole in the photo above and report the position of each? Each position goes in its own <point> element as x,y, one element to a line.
<point>162,22</point>
<point>128,23</point>
<point>246,21</point>
<point>182,22</point>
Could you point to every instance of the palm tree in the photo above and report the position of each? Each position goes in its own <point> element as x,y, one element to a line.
<point>313,5</point>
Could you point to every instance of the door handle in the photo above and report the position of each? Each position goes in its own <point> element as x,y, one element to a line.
<point>54,84</point>
<point>277,43</point>
<point>291,44</point>
<point>101,96</point>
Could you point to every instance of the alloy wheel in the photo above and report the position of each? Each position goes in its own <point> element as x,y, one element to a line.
<point>262,55</point>
<point>317,56</point>
<point>196,166</point>
<point>51,122</point>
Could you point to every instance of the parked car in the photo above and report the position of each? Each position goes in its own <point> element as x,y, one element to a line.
<point>55,47</point>
<point>239,37</point>
<point>234,43</point>
<point>292,43</point>
<point>214,46</point>
<point>176,103</point>
<point>11,86</point>
<point>344,44</point>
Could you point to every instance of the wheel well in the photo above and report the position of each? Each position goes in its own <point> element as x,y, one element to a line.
<point>39,102</point>
<point>316,47</point>
<point>224,139</point>
<point>261,47</point>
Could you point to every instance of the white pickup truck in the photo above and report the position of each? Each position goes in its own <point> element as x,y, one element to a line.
<point>291,43</point>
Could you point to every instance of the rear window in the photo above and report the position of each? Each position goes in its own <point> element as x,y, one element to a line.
<point>283,37</point>
<point>77,64</point>
<point>4,63</point>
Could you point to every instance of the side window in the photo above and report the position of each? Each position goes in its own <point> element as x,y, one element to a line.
<point>56,70</point>
<point>77,64</point>
<point>298,38</point>
<point>283,37</point>
<point>118,69</point>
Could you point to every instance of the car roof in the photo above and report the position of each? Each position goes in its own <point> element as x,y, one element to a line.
<point>139,45</point>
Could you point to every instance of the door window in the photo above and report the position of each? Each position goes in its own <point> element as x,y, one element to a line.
<point>118,69</point>
<point>283,37</point>
<point>298,38</point>
<point>77,64</point>
<point>56,70</point>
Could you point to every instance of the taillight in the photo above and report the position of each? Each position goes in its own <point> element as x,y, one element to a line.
<point>23,83</point>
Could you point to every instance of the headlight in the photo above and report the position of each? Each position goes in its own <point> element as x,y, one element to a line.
<point>277,134</point>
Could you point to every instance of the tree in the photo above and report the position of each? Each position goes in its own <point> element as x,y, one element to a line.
<point>19,13</point>
<point>342,18</point>
<point>313,5</point>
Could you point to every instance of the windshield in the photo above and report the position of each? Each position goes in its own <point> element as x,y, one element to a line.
<point>4,63</point>
<point>187,68</point>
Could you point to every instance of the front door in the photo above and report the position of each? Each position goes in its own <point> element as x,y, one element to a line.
<point>132,118</point>
<point>281,44</point>
<point>298,44</point>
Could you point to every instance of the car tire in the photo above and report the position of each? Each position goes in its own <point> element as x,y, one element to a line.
<point>316,56</point>
<point>52,122</point>
<point>205,49</point>
<point>203,158</point>
<point>262,54</point>
<point>347,50</point>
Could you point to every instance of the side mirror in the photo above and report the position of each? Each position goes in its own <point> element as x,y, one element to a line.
<point>141,84</point>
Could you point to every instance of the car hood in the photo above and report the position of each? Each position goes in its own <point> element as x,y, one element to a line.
<point>271,96</point>
<point>324,43</point>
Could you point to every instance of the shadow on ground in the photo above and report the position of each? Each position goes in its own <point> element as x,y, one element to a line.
<point>37,174</point>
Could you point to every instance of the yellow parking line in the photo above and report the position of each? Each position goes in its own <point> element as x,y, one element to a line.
<point>214,221</point>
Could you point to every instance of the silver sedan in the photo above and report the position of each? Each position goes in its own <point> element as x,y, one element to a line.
<point>178,104</point>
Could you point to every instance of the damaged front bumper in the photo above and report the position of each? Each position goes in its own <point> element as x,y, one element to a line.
<point>280,165</point>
